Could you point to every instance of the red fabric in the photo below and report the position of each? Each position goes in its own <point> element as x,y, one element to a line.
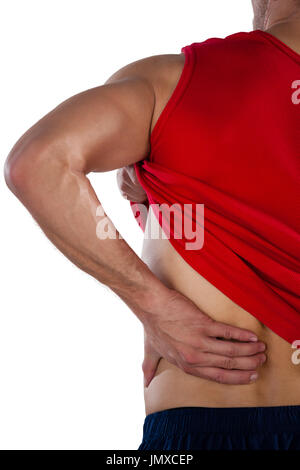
<point>229,138</point>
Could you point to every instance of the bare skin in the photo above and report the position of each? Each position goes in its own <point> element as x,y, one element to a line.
<point>278,382</point>
<point>102,129</point>
<point>279,379</point>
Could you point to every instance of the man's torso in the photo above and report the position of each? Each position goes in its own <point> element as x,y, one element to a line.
<point>279,377</point>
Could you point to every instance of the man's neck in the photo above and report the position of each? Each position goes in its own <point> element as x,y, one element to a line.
<point>286,29</point>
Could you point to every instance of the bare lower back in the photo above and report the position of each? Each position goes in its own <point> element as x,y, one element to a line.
<point>279,379</point>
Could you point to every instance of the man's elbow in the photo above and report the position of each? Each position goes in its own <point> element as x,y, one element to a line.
<point>13,173</point>
<point>23,168</point>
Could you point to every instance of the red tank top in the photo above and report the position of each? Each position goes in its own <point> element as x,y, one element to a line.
<point>229,138</point>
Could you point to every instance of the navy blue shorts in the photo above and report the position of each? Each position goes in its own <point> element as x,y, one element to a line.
<point>197,428</point>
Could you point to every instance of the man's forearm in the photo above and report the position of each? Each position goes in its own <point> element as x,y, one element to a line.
<point>64,204</point>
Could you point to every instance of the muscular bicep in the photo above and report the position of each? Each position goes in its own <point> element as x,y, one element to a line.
<point>102,128</point>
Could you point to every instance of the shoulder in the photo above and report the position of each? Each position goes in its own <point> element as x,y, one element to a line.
<point>156,75</point>
<point>152,68</point>
<point>158,72</point>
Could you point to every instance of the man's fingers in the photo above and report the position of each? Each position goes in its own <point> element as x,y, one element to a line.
<point>128,189</point>
<point>131,194</point>
<point>128,182</point>
<point>223,376</point>
<point>232,349</point>
<point>132,174</point>
<point>221,330</point>
<point>229,363</point>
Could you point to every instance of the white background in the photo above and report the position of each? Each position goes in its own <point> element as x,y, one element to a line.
<point>70,350</point>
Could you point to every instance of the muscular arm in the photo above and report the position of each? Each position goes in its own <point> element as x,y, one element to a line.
<point>102,129</point>
<point>98,130</point>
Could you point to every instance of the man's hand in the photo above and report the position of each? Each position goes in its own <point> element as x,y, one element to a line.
<point>178,331</point>
<point>129,185</point>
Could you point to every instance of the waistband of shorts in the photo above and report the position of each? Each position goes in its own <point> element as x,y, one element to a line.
<point>198,419</point>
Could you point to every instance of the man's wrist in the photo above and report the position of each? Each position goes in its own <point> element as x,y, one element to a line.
<point>144,294</point>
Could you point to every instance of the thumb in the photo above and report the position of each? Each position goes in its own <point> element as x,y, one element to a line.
<point>150,363</point>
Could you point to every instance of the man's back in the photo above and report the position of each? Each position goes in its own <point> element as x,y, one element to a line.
<point>248,146</point>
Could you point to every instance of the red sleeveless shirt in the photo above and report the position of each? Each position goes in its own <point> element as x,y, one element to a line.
<point>229,138</point>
